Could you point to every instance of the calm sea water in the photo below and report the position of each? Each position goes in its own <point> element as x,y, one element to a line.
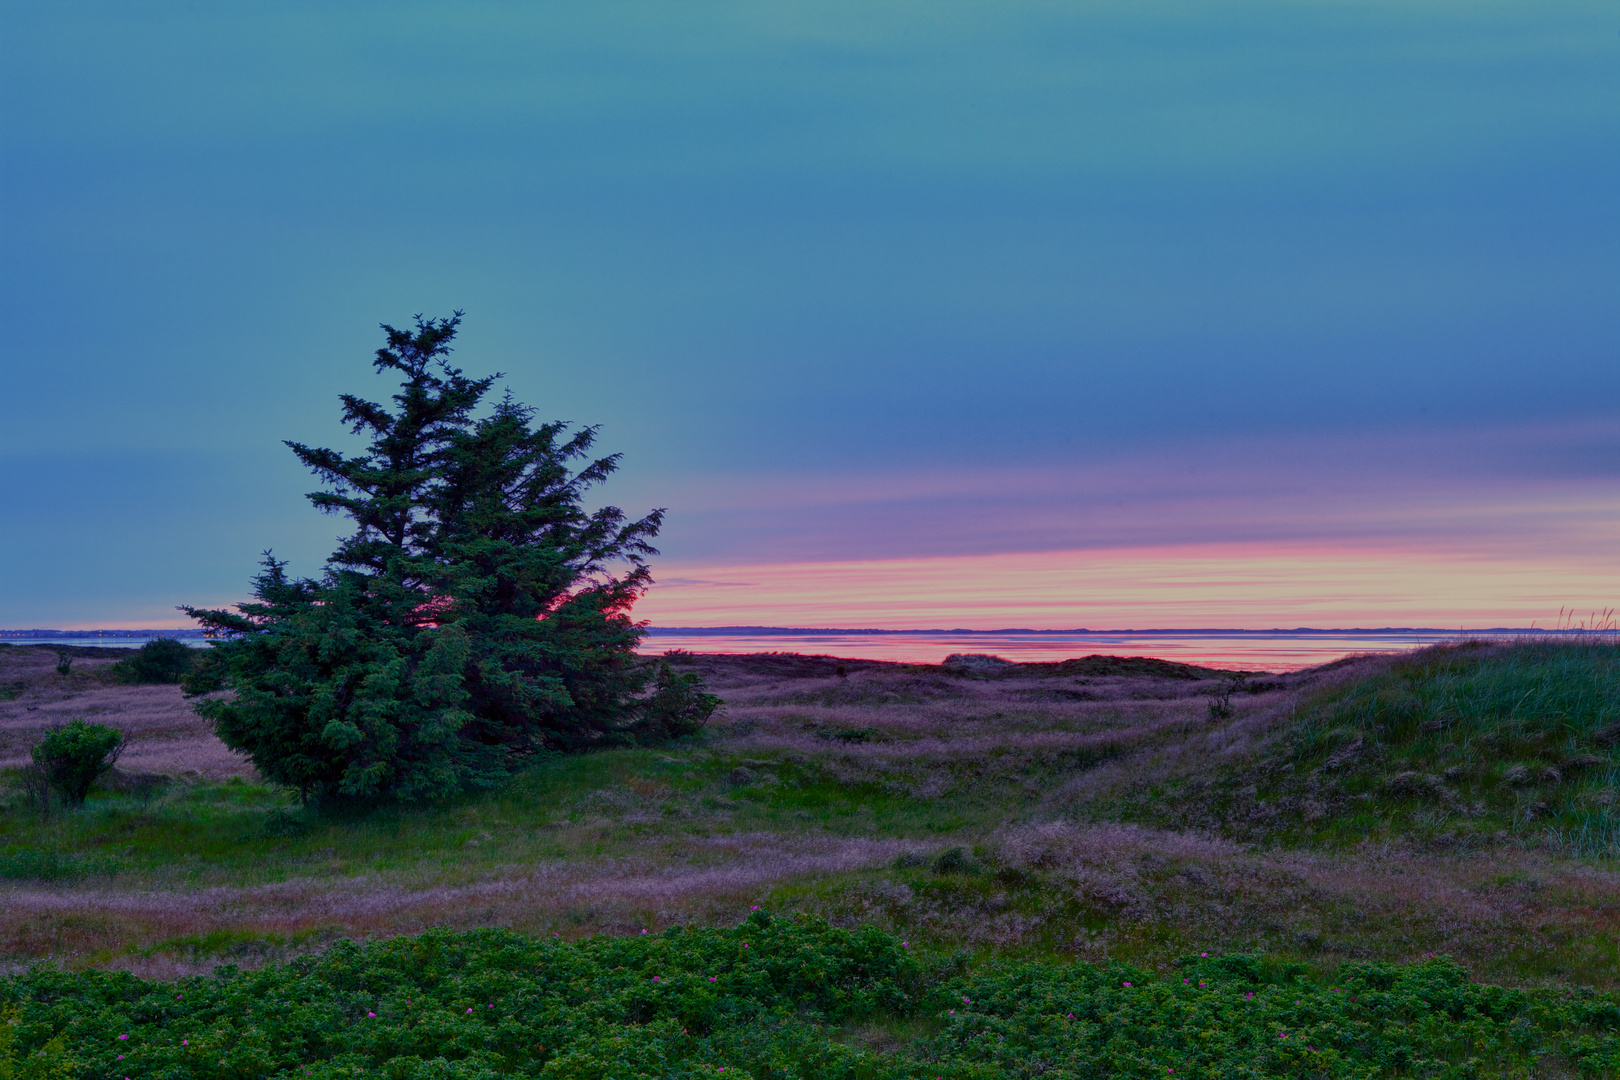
<point>1254,650</point>
<point>1233,649</point>
<point>105,642</point>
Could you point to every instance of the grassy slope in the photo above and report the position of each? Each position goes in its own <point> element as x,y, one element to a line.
<point>1048,813</point>
<point>1457,801</point>
<point>1462,747</point>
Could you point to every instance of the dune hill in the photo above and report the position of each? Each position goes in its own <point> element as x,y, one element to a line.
<point>1456,799</point>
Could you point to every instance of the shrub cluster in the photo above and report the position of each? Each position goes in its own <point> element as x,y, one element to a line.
<point>71,758</point>
<point>162,661</point>
<point>777,998</point>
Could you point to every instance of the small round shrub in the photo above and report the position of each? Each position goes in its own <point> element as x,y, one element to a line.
<point>956,860</point>
<point>162,661</point>
<point>74,756</point>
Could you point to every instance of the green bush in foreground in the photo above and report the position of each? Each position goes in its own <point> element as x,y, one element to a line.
<point>74,756</point>
<point>779,998</point>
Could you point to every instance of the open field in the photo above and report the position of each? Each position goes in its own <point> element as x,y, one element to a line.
<point>164,734</point>
<point>1093,810</point>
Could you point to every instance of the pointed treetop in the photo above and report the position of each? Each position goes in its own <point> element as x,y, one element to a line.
<point>411,352</point>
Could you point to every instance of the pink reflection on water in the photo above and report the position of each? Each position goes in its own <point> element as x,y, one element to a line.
<point>1248,651</point>
<point>1254,586</point>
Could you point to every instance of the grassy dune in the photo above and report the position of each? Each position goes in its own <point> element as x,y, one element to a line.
<point>1456,747</point>
<point>1454,801</point>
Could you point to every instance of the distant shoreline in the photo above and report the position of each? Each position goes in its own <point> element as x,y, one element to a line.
<point>1229,648</point>
<point>798,631</point>
<point>788,631</point>
<point>34,635</point>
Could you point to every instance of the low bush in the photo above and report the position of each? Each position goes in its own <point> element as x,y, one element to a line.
<point>956,860</point>
<point>677,706</point>
<point>162,661</point>
<point>74,756</point>
<point>780,998</point>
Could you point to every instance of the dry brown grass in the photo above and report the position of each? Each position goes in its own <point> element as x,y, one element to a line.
<point>618,895</point>
<point>927,733</point>
<point>1352,905</point>
<point>164,734</point>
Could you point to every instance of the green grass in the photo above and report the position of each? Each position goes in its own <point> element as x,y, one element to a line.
<point>567,807</point>
<point>1462,746</point>
<point>1471,741</point>
<point>1328,856</point>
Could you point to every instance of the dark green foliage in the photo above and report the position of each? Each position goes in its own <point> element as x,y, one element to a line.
<point>64,664</point>
<point>207,673</point>
<point>956,860</point>
<point>21,863</point>
<point>1097,665</point>
<point>74,756</point>
<point>336,701</point>
<point>471,620</point>
<point>678,705</point>
<point>1239,1016</point>
<point>162,661</point>
<point>848,734</point>
<point>774,998</point>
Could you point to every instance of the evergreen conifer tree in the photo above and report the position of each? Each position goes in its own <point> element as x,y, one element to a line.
<point>472,619</point>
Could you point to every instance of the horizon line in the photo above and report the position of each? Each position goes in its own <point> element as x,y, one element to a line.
<point>659,631</point>
<point>785,630</point>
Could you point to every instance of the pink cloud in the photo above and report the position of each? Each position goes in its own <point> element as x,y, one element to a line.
<point>1254,585</point>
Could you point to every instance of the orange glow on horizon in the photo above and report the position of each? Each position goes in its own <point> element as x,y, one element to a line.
<point>1240,586</point>
<point>1254,586</point>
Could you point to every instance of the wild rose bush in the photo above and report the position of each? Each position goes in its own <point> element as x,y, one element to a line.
<point>780,998</point>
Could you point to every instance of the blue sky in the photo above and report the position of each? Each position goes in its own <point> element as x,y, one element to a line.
<point>844,282</point>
